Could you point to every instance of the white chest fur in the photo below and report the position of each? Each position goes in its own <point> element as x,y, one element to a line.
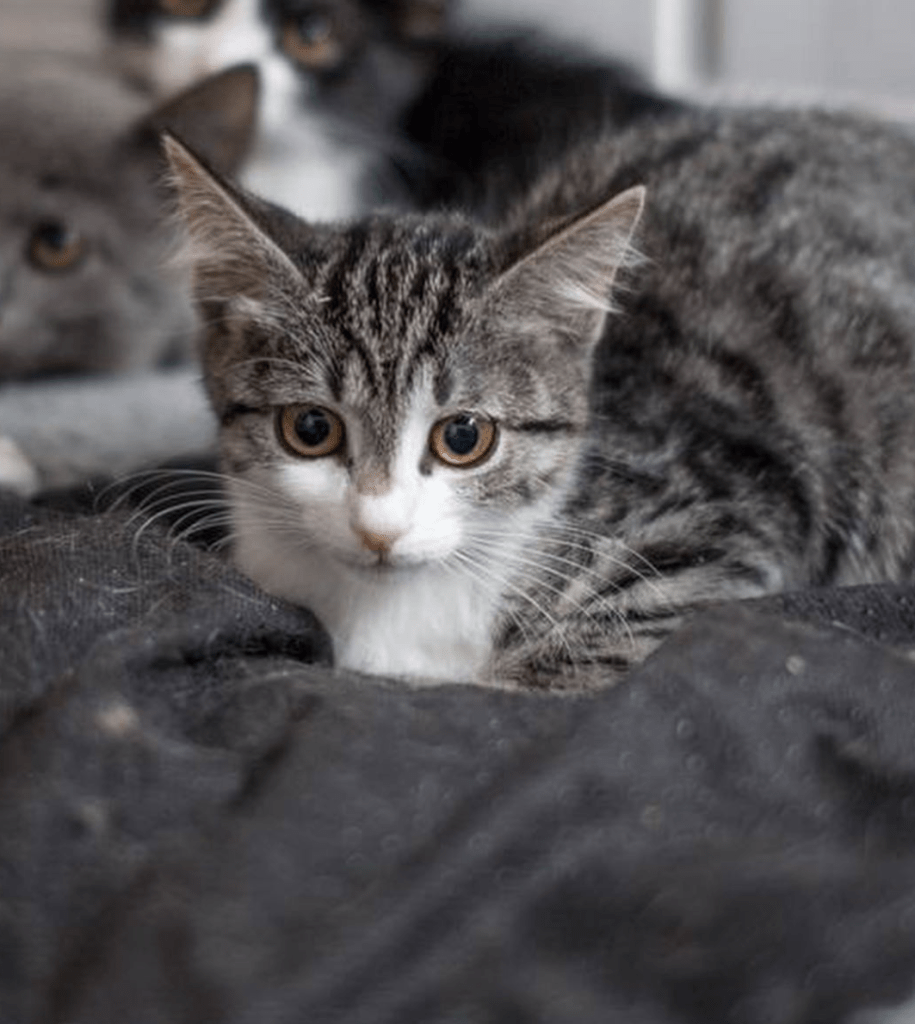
<point>429,623</point>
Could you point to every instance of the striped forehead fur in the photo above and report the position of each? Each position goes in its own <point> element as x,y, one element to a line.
<point>395,277</point>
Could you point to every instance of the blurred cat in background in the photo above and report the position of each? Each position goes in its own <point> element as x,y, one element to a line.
<point>336,75</point>
<point>369,101</point>
<point>85,284</point>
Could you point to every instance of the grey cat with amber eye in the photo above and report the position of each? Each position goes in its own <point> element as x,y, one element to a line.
<point>54,247</point>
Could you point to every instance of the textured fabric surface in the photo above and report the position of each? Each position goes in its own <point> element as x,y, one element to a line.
<point>200,821</point>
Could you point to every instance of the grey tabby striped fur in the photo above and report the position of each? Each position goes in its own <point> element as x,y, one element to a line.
<point>744,423</point>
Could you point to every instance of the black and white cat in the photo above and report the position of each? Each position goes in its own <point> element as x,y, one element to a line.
<point>386,100</point>
<point>335,78</point>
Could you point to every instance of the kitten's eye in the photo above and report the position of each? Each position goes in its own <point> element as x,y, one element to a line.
<point>55,247</point>
<point>310,430</point>
<point>462,440</point>
<point>311,40</point>
<point>423,19</point>
<point>189,8</point>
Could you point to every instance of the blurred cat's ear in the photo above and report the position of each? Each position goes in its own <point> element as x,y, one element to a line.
<point>230,255</point>
<point>217,117</point>
<point>568,278</point>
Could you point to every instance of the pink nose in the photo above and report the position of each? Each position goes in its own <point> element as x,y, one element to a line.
<point>379,543</point>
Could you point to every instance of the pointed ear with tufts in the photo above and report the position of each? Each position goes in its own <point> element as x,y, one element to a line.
<point>568,279</point>
<point>217,117</point>
<point>229,253</point>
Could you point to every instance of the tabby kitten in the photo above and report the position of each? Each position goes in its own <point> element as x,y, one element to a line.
<point>85,284</point>
<point>437,438</point>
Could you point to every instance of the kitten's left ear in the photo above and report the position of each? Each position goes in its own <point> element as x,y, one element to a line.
<point>230,254</point>
<point>569,278</point>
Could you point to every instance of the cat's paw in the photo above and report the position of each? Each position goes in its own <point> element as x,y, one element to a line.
<point>550,668</point>
<point>16,472</point>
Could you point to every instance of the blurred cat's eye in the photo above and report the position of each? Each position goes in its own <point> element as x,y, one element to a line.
<point>311,40</point>
<point>189,8</point>
<point>55,247</point>
<point>422,19</point>
<point>310,430</point>
<point>462,440</point>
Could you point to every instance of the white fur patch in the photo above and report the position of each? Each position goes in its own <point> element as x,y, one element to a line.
<point>16,472</point>
<point>422,621</point>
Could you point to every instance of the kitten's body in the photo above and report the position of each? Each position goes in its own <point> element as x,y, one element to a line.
<point>410,113</point>
<point>744,425</point>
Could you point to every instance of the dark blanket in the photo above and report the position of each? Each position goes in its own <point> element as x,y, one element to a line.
<point>201,822</point>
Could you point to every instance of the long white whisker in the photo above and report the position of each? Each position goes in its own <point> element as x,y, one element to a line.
<point>166,505</point>
<point>186,534</point>
<point>550,561</point>
<point>538,540</point>
<point>540,569</point>
<point>563,528</point>
<point>174,477</point>
<point>531,600</point>
<point>275,516</point>
<point>458,561</point>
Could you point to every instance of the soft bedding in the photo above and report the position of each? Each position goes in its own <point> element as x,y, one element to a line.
<point>203,821</point>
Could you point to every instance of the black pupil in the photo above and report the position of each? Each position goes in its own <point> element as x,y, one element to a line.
<point>53,236</point>
<point>314,28</point>
<point>461,435</point>
<point>313,428</point>
<point>194,9</point>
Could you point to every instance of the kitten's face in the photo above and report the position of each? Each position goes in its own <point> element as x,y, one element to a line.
<point>411,445</point>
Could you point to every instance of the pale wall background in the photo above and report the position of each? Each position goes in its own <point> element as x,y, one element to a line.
<point>769,46</point>
<point>792,47</point>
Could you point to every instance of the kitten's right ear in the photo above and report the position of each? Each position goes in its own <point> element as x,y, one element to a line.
<point>217,117</point>
<point>230,255</point>
<point>568,278</point>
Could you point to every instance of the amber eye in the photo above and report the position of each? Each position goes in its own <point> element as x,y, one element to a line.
<point>310,430</point>
<point>55,247</point>
<point>189,8</point>
<point>462,440</point>
<point>312,41</point>
<point>423,19</point>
